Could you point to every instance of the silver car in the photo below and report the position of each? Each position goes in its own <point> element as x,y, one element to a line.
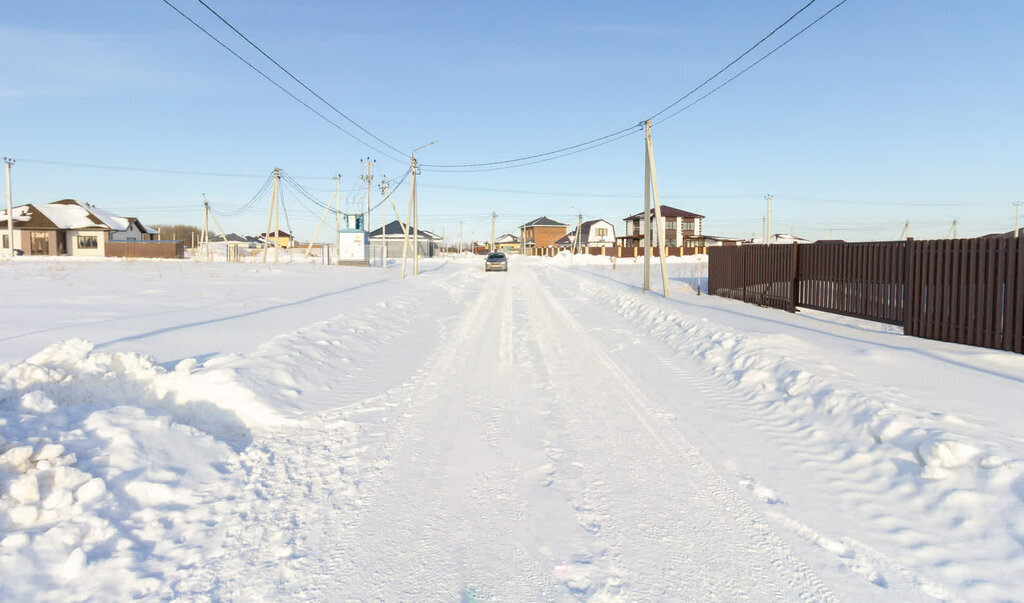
<point>496,261</point>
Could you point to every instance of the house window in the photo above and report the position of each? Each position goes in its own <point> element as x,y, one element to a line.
<point>131,239</point>
<point>601,232</point>
<point>6,242</point>
<point>87,242</point>
<point>39,243</point>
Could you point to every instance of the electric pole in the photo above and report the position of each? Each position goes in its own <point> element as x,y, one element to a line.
<point>493,216</point>
<point>414,208</point>
<point>367,178</point>
<point>768,218</point>
<point>651,188</point>
<point>579,230</point>
<point>1017,222</point>
<point>906,230</point>
<point>10,215</point>
<point>271,216</point>
<point>384,220</point>
<point>460,238</point>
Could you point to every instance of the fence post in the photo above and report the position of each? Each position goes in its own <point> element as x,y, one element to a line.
<point>794,289</point>
<point>908,293</point>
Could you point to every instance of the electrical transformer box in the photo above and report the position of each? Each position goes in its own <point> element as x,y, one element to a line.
<point>353,244</point>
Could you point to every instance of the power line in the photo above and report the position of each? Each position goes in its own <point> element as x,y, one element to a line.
<point>734,61</point>
<point>252,201</point>
<point>175,172</point>
<point>751,66</point>
<point>579,148</point>
<point>279,86</point>
<point>300,82</point>
<point>557,153</point>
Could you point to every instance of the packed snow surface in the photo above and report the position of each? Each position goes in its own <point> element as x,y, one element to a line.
<point>251,432</point>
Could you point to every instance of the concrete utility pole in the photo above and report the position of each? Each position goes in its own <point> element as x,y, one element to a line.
<point>205,238</point>
<point>270,217</point>
<point>1017,222</point>
<point>384,221</point>
<point>576,243</point>
<point>952,230</point>
<point>768,218</point>
<point>10,215</point>
<point>368,178</point>
<point>414,205</point>
<point>493,216</point>
<point>651,188</point>
<point>906,230</point>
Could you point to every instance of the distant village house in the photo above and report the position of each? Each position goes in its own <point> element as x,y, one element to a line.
<point>68,227</point>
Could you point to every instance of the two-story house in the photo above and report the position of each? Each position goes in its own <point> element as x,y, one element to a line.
<point>541,232</point>
<point>679,225</point>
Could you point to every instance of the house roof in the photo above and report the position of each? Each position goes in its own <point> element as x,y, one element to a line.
<point>278,233</point>
<point>566,239</point>
<point>507,238</point>
<point>229,238</point>
<point>28,216</point>
<point>394,229</point>
<point>542,221</point>
<point>667,211</point>
<point>140,226</point>
<point>66,214</point>
<point>585,228</point>
<point>786,238</point>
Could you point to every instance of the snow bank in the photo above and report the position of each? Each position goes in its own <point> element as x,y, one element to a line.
<point>105,461</point>
<point>931,473</point>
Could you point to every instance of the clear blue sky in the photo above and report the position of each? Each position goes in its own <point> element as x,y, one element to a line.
<point>882,112</point>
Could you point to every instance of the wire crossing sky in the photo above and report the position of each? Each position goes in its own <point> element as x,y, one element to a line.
<point>868,113</point>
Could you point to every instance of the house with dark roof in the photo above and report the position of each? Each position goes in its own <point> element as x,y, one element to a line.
<point>279,238</point>
<point>68,227</point>
<point>679,225</point>
<point>593,233</point>
<point>391,237</point>
<point>541,232</point>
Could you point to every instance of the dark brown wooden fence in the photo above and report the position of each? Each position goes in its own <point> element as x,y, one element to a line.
<point>144,249</point>
<point>965,290</point>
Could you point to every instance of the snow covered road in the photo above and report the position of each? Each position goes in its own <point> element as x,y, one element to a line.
<point>546,434</point>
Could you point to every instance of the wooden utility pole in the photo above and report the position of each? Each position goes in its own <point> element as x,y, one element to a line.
<point>10,215</point>
<point>271,217</point>
<point>651,188</point>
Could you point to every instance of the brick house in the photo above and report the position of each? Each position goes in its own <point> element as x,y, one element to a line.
<point>679,225</point>
<point>541,232</point>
